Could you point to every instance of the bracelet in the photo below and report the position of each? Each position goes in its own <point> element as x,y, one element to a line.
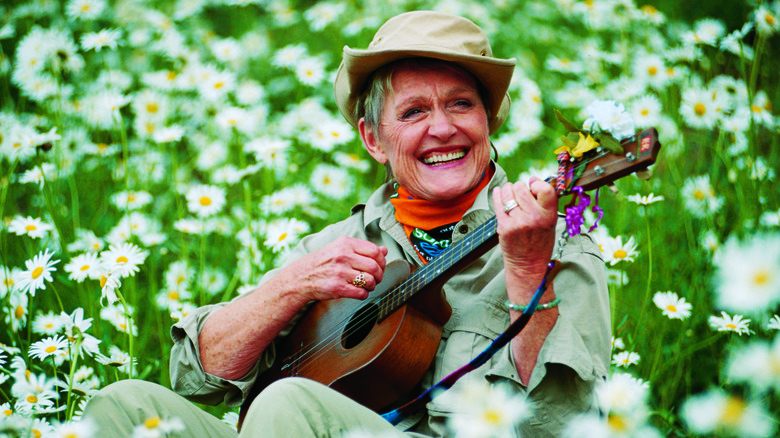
<point>521,308</point>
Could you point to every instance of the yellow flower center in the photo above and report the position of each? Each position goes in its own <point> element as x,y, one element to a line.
<point>152,422</point>
<point>761,278</point>
<point>173,295</point>
<point>617,423</point>
<point>698,195</point>
<point>37,272</point>
<point>130,197</point>
<point>8,412</point>
<point>620,254</point>
<point>71,435</point>
<point>282,236</point>
<point>19,312</point>
<point>51,349</point>
<point>770,19</point>
<point>152,107</point>
<point>647,9</point>
<point>326,180</point>
<point>671,308</point>
<point>30,227</point>
<point>492,417</point>
<point>645,112</point>
<point>700,109</point>
<point>121,259</point>
<point>219,85</point>
<point>103,280</point>
<point>37,433</point>
<point>652,71</point>
<point>205,201</point>
<point>171,75</point>
<point>84,268</point>
<point>32,399</point>
<point>731,326</point>
<point>733,411</point>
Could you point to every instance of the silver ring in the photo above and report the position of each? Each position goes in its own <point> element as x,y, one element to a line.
<point>509,205</point>
<point>360,280</point>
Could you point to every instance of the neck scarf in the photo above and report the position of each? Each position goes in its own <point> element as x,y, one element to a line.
<point>429,224</point>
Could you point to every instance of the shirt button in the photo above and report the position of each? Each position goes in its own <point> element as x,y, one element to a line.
<point>463,229</point>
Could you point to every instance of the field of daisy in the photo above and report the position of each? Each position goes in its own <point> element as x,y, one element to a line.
<point>159,155</point>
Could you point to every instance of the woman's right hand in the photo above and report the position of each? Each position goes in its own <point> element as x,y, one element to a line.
<point>330,272</point>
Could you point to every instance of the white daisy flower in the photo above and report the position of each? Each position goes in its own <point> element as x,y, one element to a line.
<point>249,92</point>
<point>748,274</point>
<point>151,105</point>
<point>323,13</point>
<point>271,152</point>
<point>32,227</point>
<point>109,283</point>
<point>83,428</point>
<point>16,315</point>
<point>353,161</point>
<point>86,241</point>
<point>650,69</point>
<point>615,251</point>
<point>486,411</point>
<point>715,412</point>
<point>205,200</point>
<point>227,49</point>
<point>217,85</point>
<point>645,199</point>
<point>726,323</point>
<point>706,31</point>
<point>288,56</point>
<point>47,324</point>
<point>328,134</point>
<point>84,266</point>
<point>39,174</point>
<point>625,359</point>
<point>331,181</point>
<point>48,347</point>
<point>168,134</point>
<point>234,117</point>
<point>618,344</point>
<point>157,427</point>
<point>123,260</point>
<point>699,108</point>
<point>774,323</point>
<point>39,269</point>
<point>130,199</point>
<point>646,111</point>
<point>756,364</point>
<point>85,9</point>
<point>283,233</point>
<point>310,71</point>
<point>700,197</point>
<point>767,18</point>
<point>117,359</point>
<point>104,38</point>
<point>671,305</point>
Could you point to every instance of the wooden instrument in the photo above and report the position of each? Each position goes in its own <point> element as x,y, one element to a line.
<point>377,350</point>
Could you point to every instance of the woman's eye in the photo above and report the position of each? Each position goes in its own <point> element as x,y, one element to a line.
<point>411,112</point>
<point>463,103</point>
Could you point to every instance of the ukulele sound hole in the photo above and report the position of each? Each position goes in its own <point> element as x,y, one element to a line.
<point>359,326</point>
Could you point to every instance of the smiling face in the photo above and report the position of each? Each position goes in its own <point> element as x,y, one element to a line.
<point>433,131</point>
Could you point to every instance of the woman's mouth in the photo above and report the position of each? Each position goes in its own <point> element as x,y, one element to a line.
<point>436,158</point>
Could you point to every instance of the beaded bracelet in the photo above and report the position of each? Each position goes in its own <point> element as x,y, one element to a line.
<point>521,308</point>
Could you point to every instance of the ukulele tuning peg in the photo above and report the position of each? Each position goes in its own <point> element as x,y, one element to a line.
<point>613,188</point>
<point>644,174</point>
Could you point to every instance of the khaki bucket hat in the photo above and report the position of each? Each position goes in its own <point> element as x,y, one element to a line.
<point>427,34</point>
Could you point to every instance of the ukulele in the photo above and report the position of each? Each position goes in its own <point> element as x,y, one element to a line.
<point>377,350</point>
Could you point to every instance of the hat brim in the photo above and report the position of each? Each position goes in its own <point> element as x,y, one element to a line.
<point>495,75</point>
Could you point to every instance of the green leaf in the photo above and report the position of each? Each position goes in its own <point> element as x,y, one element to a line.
<point>566,124</point>
<point>609,143</point>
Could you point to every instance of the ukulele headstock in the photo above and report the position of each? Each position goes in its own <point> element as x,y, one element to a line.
<point>600,167</point>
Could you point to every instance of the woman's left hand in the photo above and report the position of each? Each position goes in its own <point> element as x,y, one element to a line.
<point>527,231</point>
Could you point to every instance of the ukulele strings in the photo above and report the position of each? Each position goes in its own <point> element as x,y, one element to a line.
<point>366,314</point>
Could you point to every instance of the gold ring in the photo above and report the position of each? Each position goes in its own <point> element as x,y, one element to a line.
<point>509,205</point>
<point>360,280</point>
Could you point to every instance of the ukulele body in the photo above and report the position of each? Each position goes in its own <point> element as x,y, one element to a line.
<point>347,345</point>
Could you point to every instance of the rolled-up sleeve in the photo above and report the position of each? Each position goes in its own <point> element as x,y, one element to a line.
<point>187,375</point>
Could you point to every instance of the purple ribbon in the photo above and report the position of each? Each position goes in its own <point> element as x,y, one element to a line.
<point>575,213</point>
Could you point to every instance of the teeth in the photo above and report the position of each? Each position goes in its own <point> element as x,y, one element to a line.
<point>445,157</point>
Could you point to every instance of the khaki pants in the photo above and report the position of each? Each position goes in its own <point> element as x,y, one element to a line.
<point>292,407</point>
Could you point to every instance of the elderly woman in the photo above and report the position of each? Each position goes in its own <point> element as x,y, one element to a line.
<point>425,97</point>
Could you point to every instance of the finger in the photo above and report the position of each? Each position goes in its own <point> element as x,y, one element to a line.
<point>364,281</point>
<point>509,198</point>
<point>544,192</point>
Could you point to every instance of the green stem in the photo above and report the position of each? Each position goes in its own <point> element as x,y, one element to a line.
<point>649,274</point>
<point>129,329</point>
<point>53,213</point>
<point>73,361</point>
<point>74,202</point>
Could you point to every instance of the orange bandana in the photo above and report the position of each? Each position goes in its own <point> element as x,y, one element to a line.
<point>429,224</point>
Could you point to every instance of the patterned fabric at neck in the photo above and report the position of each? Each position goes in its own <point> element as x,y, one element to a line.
<point>429,224</point>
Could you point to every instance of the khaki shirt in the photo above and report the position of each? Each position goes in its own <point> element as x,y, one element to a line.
<point>574,356</point>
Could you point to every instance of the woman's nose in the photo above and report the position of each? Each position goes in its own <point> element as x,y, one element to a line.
<point>441,125</point>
